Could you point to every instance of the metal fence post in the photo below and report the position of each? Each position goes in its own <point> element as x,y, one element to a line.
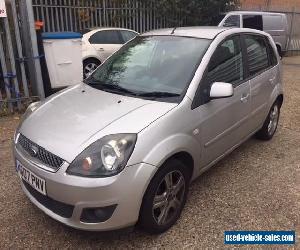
<point>4,71</point>
<point>12,61</point>
<point>34,48</point>
<point>104,13</point>
<point>291,30</point>
<point>19,47</point>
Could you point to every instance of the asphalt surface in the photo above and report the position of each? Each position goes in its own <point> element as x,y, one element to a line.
<point>257,187</point>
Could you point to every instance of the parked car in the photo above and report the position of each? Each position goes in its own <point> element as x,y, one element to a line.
<point>100,43</point>
<point>273,23</point>
<point>123,147</point>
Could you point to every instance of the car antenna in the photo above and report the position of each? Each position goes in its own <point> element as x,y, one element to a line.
<point>173,30</point>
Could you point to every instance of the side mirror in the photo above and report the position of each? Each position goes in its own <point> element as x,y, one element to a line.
<point>221,90</point>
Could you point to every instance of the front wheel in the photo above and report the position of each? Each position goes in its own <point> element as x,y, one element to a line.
<point>270,125</point>
<point>165,197</point>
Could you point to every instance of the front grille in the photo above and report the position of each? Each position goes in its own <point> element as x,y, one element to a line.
<point>44,156</point>
<point>57,207</point>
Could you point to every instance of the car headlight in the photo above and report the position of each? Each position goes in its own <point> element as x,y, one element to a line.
<point>32,107</point>
<point>105,157</point>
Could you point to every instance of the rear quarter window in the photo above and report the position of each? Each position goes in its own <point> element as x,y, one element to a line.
<point>273,22</point>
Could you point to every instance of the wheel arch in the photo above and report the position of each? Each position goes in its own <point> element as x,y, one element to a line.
<point>183,147</point>
<point>185,158</point>
<point>280,100</point>
<point>91,58</point>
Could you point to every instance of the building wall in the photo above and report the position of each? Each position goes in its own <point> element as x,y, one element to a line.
<point>271,5</point>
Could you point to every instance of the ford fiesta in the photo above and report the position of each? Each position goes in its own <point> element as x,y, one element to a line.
<point>122,148</point>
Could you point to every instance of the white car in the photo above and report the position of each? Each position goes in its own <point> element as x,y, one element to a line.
<point>100,43</point>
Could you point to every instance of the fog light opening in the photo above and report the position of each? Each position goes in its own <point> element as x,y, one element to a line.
<point>97,214</point>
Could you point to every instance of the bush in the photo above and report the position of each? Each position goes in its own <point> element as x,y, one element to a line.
<point>192,12</point>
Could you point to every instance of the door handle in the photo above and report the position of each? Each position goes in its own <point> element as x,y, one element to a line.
<point>100,49</point>
<point>245,98</point>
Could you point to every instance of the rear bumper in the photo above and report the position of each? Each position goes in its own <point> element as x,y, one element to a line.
<point>72,194</point>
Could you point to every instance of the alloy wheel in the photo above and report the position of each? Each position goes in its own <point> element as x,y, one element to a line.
<point>88,69</point>
<point>169,197</point>
<point>274,115</point>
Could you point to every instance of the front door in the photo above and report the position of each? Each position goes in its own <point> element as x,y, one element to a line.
<point>223,122</point>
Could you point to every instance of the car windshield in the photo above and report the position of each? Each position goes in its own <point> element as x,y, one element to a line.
<point>151,66</point>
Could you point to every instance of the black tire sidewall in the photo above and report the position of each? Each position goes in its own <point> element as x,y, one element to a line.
<point>87,61</point>
<point>146,220</point>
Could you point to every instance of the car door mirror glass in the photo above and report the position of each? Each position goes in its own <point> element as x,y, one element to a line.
<point>221,90</point>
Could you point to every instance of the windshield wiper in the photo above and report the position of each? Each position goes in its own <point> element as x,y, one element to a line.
<point>158,94</point>
<point>113,88</point>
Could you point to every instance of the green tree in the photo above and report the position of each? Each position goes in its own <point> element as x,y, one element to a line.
<point>175,12</point>
<point>192,12</point>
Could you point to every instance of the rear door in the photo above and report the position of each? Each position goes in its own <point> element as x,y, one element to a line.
<point>223,122</point>
<point>262,75</point>
<point>106,42</point>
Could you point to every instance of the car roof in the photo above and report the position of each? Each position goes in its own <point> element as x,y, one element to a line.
<point>109,28</point>
<point>87,33</point>
<point>255,12</point>
<point>205,32</point>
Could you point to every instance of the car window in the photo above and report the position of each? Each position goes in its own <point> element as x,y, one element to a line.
<point>127,35</point>
<point>232,21</point>
<point>273,22</point>
<point>253,22</point>
<point>226,64</point>
<point>153,64</point>
<point>257,54</point>
<point>105,37</point>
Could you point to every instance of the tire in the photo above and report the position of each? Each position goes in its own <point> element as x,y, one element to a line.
<point>89,65</point>
<point>279,51</point>
<point>170,202</point>
<point>270,125</point>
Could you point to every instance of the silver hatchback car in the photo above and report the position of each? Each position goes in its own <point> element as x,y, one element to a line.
<point>122,148</point>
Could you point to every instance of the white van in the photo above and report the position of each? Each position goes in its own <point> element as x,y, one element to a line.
<point>273,23</point>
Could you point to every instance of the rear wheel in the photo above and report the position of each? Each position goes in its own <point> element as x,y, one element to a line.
<point>89,65</point>
<point>279,50</point>
<point>165,197</point>
<point>270,125</point>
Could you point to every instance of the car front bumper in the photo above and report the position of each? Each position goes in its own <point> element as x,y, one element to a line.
<point>124,191</point>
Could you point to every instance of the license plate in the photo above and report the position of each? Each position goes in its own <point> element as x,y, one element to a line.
<point>33,180</point>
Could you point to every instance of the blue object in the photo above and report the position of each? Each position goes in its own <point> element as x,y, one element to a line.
<point>61,35</point>
<point>259,237</point>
